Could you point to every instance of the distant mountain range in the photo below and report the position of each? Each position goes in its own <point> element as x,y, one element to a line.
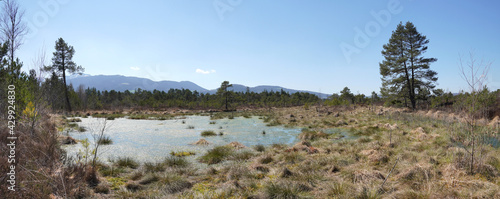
<point>123,83</point>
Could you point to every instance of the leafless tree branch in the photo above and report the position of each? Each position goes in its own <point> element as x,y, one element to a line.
<point>12,26</point>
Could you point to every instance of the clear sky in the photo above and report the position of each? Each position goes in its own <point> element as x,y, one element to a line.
<point>296,44</point>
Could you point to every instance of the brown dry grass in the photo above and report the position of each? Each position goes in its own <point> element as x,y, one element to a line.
<point>327,166</point>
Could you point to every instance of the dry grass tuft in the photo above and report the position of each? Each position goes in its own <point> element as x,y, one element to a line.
<point>417,176</point>
<point>365,176</point>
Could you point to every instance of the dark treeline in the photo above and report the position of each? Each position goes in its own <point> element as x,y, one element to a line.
<point>488,102</point>
<point>84,99</point>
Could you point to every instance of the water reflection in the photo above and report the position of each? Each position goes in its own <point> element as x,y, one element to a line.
<point>148,140</point>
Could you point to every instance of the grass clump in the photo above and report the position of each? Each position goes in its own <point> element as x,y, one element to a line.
<point>126,162</point>
<point>138,117</point>
<point>292,157</point>
<point>174,161</point>
<point>106,170</point>
<point>116,182</point>
<point>274,123</point>
<point>105,140</point>
<point>337,189</point>
<point>367,132</point>
<point>154,167</point>
<point>266,159</point>
<point>369,194</point>
<point>208,133</point>
<point>148,179</point>
<point>278,146</point>
<point>364,140</point>
<point>282,190</point>
<point>132,186</point>
<point>162,118</point>
<point>242,155</point>
<point>75,120</point>
<point>212,122</point>
<point>174,183</point>
<point>102,188</point>
<point>136,175</point>
<point>108,116</point>
<point>308,134</point>
<point>216,155</point>
<point>81,129</point>
<point>260,148</point>
<point>73,125</point>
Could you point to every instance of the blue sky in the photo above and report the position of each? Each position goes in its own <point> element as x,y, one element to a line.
<point>294,43</point>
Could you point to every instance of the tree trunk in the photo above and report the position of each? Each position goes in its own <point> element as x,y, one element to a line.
<point>66,91</point>
<point>408,82</point>
<point>412,96</point>
<point>410,87</point>
<point>226,101</point>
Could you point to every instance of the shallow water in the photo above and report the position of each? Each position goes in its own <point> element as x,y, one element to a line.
<point>153,140</point>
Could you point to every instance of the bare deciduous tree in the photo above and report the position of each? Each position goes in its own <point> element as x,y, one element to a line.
<point>98,135</point>
<point>83,96</point>
<point>12,26</point>
<point>40,106</point>
<point>474,72</point>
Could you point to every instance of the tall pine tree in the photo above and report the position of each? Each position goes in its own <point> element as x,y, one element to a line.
<point>62,62</point>
<point>222,91</point>
<point>405,71</point>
